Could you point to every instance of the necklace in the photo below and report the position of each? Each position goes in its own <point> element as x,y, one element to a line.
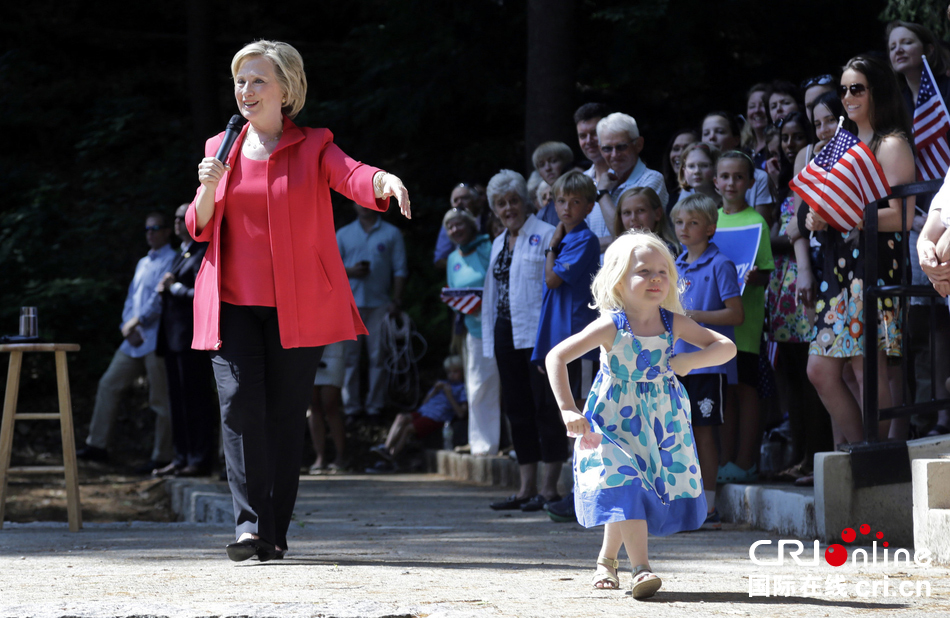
<point>264,142</point>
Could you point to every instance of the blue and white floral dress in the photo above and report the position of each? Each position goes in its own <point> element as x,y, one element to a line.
<point>640,462</point>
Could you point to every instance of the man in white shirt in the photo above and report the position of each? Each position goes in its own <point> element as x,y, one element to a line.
<point>620,144</point>
<point>136,356</point>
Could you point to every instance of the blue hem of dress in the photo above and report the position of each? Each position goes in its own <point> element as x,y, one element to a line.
<point>614,504</point>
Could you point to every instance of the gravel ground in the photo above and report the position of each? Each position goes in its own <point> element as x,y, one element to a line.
<point>417,545</point>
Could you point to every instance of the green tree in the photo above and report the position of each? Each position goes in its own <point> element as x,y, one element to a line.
<point>930,13</point>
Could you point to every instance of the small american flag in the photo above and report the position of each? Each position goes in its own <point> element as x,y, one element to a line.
<point>843,179</point>
<point>463,300</point>
<point>931,122</point>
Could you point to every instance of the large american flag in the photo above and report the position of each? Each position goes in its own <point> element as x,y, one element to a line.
<point>931,122</point>
<point>463,300</point>
<point>843,179</point>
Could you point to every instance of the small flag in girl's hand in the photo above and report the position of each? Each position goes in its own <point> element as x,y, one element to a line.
<point>463,300</point>
<point>843,179</point>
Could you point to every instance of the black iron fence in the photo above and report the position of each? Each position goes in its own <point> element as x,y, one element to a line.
<point>872,292</point>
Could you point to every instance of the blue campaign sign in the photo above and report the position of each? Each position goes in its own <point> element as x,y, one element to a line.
<point>741,245</point>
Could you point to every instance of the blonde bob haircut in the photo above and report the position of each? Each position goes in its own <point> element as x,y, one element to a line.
<point>288,67</point>
<point>617,260</point>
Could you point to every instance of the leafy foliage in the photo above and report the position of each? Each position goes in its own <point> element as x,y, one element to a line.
<point>930,13</point>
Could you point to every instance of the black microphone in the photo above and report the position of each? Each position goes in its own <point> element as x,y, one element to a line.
<point>230,134</point>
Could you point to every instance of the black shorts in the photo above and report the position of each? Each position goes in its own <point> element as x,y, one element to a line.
<point>747,366</point>
<point>707,397</point>
<point>580,375</point>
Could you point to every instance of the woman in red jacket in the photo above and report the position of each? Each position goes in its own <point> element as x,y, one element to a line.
<point>272,288</point>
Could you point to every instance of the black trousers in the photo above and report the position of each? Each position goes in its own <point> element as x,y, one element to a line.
<point>264,391</point>
<point>192,407</point>
<point>537,431</point>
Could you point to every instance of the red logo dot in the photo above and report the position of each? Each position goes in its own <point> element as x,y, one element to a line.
<point>885,543</point>
<point>865,529</point>
<point>836,555</point>
<point>879,535</point>
<point>848,535</point>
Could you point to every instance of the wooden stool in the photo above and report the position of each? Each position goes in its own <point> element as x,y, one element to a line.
<point>65,417</point>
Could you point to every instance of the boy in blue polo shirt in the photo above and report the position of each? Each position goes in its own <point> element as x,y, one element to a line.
<point>710,296</point>
<point>572,260</point>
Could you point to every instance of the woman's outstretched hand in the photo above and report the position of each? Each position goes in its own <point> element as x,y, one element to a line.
<point>391,186</point>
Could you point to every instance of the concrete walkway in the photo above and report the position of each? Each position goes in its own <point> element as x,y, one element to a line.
<point>420,545</point>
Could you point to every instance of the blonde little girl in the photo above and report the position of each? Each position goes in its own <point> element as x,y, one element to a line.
<point>635,464</point>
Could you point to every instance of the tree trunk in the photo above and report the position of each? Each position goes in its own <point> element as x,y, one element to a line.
<point>549,87</point>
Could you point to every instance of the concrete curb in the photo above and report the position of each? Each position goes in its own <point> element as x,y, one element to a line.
<point>197,501</point>
<point>488,471</point>
<point>782,509</point>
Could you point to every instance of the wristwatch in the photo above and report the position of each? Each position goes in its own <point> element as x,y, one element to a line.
<point>601,193</point>
<point>552,250</point>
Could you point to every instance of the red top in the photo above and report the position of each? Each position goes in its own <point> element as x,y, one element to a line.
<point>314,303</point>
<point>247,268</point>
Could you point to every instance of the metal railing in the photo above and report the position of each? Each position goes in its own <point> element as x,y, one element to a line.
<point>872,414</point>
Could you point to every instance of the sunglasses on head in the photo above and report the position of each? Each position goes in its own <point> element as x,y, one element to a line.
<point>821,80</point>
<point>856,90</point>
<point>619,148</point>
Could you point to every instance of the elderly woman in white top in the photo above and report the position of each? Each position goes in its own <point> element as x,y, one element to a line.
<point>511,308</point>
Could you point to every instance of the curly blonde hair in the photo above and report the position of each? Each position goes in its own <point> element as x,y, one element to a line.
<point>617,260</point>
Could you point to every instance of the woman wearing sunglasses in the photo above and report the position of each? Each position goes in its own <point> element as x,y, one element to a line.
<point>872,102</point>
<point>907,43</point>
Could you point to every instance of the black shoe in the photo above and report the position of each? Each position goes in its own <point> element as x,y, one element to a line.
<point>537,503</point>
<point>511,503</point>
<point>562,511</point>
<point>93,453</point>
<point>243,550</point>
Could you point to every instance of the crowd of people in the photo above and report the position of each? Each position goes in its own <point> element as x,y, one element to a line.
<point>796,315</point>
<point>598,282</point>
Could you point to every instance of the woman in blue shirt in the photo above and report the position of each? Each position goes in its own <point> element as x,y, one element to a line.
<point>466,268</point>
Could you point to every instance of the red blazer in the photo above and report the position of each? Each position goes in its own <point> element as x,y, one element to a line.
<point>314,303</point>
